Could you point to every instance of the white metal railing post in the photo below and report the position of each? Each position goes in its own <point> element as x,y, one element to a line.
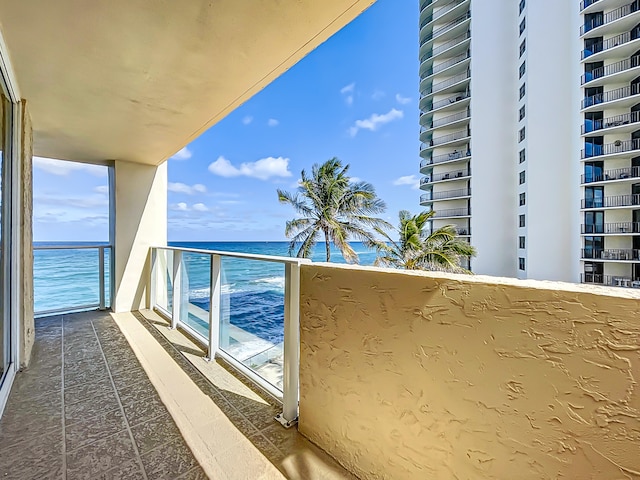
<point>290,379</point>
<point>101,278</point>
<point>214,306</point>
<point>176,308</point>
<point>153,279</point>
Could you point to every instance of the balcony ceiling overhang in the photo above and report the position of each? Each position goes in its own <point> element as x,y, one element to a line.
<point>137,80</point>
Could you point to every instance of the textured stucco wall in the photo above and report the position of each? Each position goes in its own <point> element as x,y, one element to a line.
<point>438,376</point>
<point>27,334</point>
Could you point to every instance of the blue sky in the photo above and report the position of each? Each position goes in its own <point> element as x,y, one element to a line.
<point>354,97</point>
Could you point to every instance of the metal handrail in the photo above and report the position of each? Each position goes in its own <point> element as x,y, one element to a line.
<point>612,69</point>
<point>437,87</point>
<point>609,17</point>
<point>444,65</point>
<point>453,212</point>
<point>585,3</point>
<point>445,195</point>
<point>612,201</point>
<point>611,228</point>
<point>445,28</point>
<point>610,43</point>
<point>611,148</point>
<point>445,46</point>
<point>440,13</point>
<point>456,117</point>
<point>447,157</point>
<point>609,280</point>
<point>452,137</point>
<point>611,254</point>
<point>615,174</point>
<point>610,122</point>
<point>612,95</point>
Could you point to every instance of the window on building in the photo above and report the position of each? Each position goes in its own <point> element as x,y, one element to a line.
<point>523,69</point>
<point>522,4</point>
<point>521,263</point>
<point>523,156</point>
<point>522,112</point>
<point>523,198</point>
<point>521,135</point>
<point>523,25</point>
<point>523,47</point>
<point>522,220</point>
<point>522,242</point>
<point>522,177</point>
<point>522,90</point>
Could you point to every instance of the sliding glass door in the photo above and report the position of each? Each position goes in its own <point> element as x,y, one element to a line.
<point>5,331</point>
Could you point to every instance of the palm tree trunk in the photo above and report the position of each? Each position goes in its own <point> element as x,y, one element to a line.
<point>327,246</point>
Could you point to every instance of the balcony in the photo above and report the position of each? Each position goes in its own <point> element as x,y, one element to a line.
<point>456,101</point>
<point>622,71</point>
<point>448,12</point>
<point>451,157</point>
<point>613,254</point>
<point>616,148</point>
<point>610,17</point>
<point>453,213</point>
<point>612,201</point>
<point>443,177</point>
<point>586,3</point>
<point>459,61</point>
<point>446,195</point>
<point>615,228</point>
<point>609,280</point>
<point>447,46</point>
<point>452,138</point>
<point>612,175</point>
<point>628,120</point>
<point>623,40</point>
<point>443,30</point>
<point>624,97</point>
<point>450,84</point>
<point>446,121</point>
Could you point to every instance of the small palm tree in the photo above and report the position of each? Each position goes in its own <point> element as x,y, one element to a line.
<point>440,250</point>
<point>330,205</point>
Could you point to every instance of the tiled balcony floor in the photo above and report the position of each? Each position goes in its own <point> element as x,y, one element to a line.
<point>92,412</point>
<point>86,409</point>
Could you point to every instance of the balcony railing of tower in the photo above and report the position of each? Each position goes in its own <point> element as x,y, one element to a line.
<point>621,66</point>
<point>445,28</point>
<point>611,254</point>
<point>452,137</point>
<point>614,174</point>
<point>610,122</point>
<point>444,65</point>
<point>447,157</point>
<point>611,43</point>
<point>609,17</point>
<point>611,228</point>
<point>439,13</point>
<point>612,201</point>
<point>612,95</point>
<point>445,46</point>
<point>456,117</point>
<point>610,280</point>
<point>438,87</point>
<point>452,212</point>
<point>432,196</point>
<point>448,101</point>
<point>592,150</point>
<point>584,3</point>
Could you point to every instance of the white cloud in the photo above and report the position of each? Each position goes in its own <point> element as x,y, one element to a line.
<point>349,100</point>
<point>378,95</point>
<point>272,122</point>
<point>200,207</point>
<point>247,120</point>
<point>412,180</point>
<point>88,201</point>
<point>262,169</point>
<point>348,88</point>
<point>375,121</point>
<point>355,179</point>
<point>63,168</point>
<point>102,189</point>
<point>178,187</point>
<point>182,154</point>
<point>402,100</point>
<point>180,207</point>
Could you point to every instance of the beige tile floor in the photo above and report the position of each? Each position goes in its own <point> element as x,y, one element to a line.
<point>123,396</point>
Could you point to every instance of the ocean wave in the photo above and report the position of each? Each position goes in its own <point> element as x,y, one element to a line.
<point>204,293</point>
<point>271,281</point>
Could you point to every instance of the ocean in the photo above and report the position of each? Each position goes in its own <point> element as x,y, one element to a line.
<point>252,310</point>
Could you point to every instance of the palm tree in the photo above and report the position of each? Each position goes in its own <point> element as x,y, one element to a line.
<point>439,250</point>
<point>332,206</point>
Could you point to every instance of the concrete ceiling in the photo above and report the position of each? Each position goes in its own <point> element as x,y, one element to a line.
<point>137,80</point>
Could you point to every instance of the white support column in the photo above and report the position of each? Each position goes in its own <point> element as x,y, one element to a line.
<point>153,279</point>
<point>139,222</point>
<point>214,306</point>
<point>291,374</point>
<point>177,307</point>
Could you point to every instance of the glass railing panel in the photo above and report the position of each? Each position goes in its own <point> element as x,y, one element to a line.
<point>195,291</point>
<point>252,315</point>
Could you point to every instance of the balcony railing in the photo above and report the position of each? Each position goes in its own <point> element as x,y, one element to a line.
<point>611,96</point>
<point>444,65</point>
<point>456,117</point>
<point>64,272</point>
<point>452,212</point>
<point>441,12</point>
<point>446,195</point>
<point>438,87</point>
<point>438,177</point>
<point>613,201</point>
<point>445,46</point>
<point>585,3</point>
<point>611,254</point>
<point>592,150</point>
<point>615,174</point>
<point>218,298</point>
<point>448,101</point>
<point>611,228</point>
<point>611,43</point>
<point>447,157</point>
<point>617,121</point>
<point>621,66</point>
<point>463,231</point>
<point>609,17</point>
<point>609,280</point>
<point>452,137</point>
<point>445,28</point>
